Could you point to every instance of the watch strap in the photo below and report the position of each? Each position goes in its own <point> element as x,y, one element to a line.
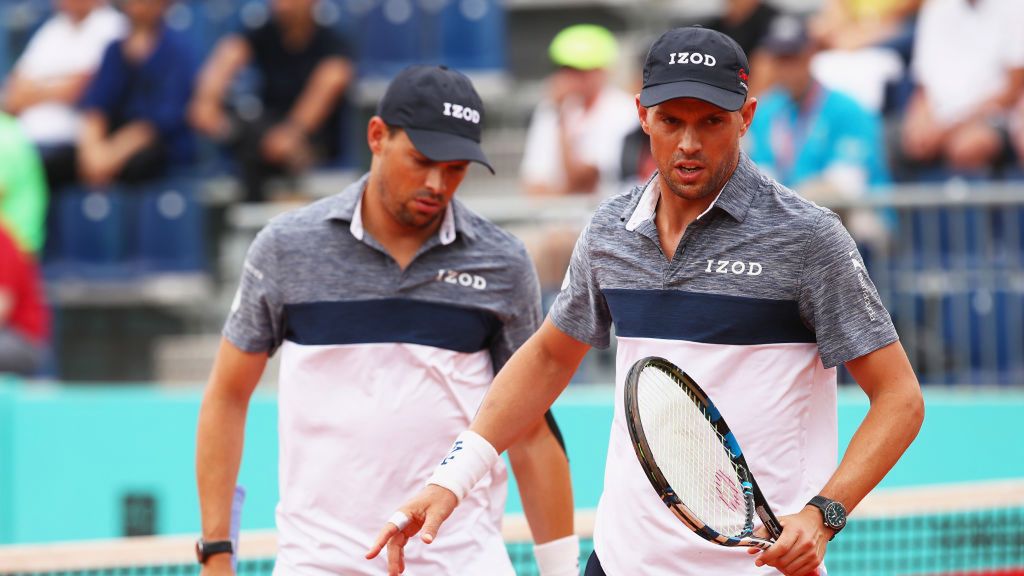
<point>822,503</point>
<point>206,549</point>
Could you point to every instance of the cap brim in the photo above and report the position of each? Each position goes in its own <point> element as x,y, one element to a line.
<point>654,95</point>
<point>445,147</point>
<point>784,47</point>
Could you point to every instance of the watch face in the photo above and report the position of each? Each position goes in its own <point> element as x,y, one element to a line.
<point>835,515</point>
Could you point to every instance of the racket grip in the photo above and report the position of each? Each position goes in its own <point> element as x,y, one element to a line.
<point>236,523</point>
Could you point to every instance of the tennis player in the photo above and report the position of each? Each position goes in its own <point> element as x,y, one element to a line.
<point>392,305</point>
<point>755,292</point>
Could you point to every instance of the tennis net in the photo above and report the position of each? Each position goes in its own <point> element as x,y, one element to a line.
<point>963,530</point>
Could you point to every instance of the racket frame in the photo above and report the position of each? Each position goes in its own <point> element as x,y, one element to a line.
<point>752,493</point>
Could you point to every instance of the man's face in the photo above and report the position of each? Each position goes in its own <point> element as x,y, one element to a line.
<point>694,143</point>
<point>291,10</point>
<point>415,190</point>
<point>144,13</point>
<point>793,71</point>
<point>76,9</point>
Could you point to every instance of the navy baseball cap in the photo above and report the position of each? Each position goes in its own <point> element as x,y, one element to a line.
<point>787,35</point>
<point>695,62</point>
<point>440,111</point>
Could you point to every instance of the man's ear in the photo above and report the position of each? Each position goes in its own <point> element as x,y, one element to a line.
<point>747,112</point>
<point>642,112</point>
<point>376,133</point>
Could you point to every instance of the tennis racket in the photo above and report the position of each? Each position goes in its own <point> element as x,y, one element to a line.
<point>692,458</point>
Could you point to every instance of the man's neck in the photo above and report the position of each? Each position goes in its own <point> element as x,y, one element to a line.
<point>401,242</point>
<point>674,214</point>
<point>296,33</point>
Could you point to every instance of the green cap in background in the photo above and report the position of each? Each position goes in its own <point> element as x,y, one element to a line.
<point>584,47</point>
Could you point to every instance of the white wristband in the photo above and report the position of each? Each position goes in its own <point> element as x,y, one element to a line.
<point>559,557</point>
<point>469,460</point>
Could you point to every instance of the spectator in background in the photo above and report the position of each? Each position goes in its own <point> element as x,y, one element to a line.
<point>305,69</point>
<point>134,127</point>
<point>1017,131</point>
<point>968,65</point>
<point>856,24</point>
<point>24,319</point>
<point>574,140</point>
<point>747,22</point>
<point>51,75</point>
<point>22,188</point>
<point>818,141</point>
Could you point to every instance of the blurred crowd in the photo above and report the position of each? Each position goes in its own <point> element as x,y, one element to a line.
<point>852,97</point>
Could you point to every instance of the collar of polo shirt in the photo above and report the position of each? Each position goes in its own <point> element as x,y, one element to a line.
<point>349,204</point>
<point>734,198</point>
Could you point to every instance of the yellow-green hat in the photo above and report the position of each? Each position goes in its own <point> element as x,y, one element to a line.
<point>584,47</point>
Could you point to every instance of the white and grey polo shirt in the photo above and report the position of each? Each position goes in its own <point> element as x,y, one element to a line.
<point>381,368</point>
<point>765,295</point>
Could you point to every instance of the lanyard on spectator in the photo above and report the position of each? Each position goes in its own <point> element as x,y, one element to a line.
<point>788,137</point>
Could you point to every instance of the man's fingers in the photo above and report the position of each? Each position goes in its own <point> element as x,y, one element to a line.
<point>385,535</point>
<point>432,524</point>
<point>396,554</point>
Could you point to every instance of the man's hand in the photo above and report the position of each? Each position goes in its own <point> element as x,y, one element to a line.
<point>97,165</point>
<point>209,118</point>
<point>432,506</point>
<point>800,549</point>
<point>286,144</point>
<point>562,86</point>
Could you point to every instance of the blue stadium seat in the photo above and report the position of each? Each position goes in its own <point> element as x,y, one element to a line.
<point>472,34</point>
<point>170,235</point>
<point>92,233</point>
<point>983,335</point>
<point>392,35</point>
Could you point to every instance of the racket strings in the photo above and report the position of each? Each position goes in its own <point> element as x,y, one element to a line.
<point>691,452</point>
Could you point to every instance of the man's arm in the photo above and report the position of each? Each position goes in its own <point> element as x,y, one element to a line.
<point>542,473</point>
<point>219,441</point>
<point>891,424</point>
<point>328,82</point>
<point>287,141</point>
<point>23,92</point>
<point>102,156</point>
<point>205,112</point>
<point>521,393</point>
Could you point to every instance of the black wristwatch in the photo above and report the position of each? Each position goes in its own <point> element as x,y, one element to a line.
<point>206,549</point>
<point>833,513</point>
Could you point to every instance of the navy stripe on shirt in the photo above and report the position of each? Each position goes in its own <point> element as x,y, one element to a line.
<point>403,320</point>
<point>706,318</point>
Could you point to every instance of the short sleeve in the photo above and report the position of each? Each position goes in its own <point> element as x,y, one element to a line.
<point>525,314</point>
<point>337,46</point>
<point>838,300</point>
<point>1013,23</point>
<point>256,320</point>
<point>107,83</point>
<point>580,309</point>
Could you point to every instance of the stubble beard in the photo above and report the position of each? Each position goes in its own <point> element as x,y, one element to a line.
<point>402,213</point>
<point>712,185</point>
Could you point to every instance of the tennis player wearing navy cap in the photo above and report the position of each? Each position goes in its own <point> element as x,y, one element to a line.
<point>757,293</point>
<point>392,305</point>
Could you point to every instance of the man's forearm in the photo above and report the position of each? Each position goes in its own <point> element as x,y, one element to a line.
<point>527,386</point>
<point>542,474</point>
<point>891,424</point>
<point>318,98</point>
<point>219,443</point>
